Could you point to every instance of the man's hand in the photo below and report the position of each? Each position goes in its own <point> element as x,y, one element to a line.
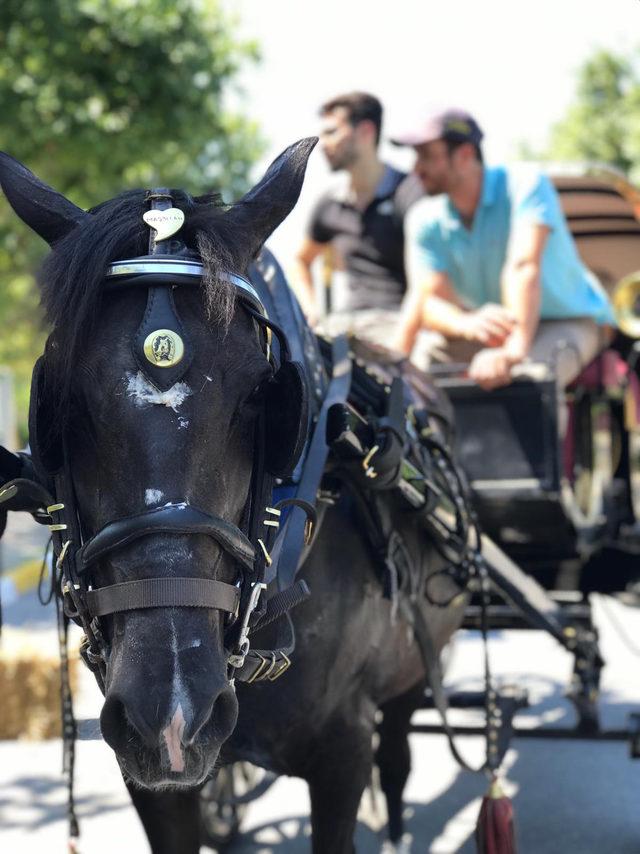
<point>489,325</point>
<point>491,368</point>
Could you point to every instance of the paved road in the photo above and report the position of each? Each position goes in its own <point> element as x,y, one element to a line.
<point>569,797</point>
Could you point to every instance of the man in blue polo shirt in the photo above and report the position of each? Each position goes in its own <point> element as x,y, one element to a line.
<point>492,266</point>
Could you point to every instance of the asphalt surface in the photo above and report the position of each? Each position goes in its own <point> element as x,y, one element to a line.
<point>570,797</point>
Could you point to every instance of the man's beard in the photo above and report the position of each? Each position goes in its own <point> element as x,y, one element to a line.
<point>344,161</point>
<point>434,188</point>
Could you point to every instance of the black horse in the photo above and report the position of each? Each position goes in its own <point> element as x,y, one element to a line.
<point>126,448</point>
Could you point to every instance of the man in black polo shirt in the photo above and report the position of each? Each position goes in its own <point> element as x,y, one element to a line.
<point>362,220</point>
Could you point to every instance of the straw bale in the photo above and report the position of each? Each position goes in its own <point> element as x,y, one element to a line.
<point>30,686</point>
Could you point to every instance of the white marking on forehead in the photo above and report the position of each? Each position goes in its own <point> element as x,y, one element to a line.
<point>153,496</point>
<point>195,643</point>
<point>143,393</point>
<point>183,423</point>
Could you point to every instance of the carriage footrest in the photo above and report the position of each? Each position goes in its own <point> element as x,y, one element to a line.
<point>508,617</point>
<point>508,699</point>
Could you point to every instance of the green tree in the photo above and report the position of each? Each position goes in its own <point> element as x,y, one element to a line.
<point>603,123</point>
<point>100,95</point>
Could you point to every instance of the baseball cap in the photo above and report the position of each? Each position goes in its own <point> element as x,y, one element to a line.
<point>453,124</point>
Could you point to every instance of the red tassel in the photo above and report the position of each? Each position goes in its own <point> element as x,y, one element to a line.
<point>494,830</point>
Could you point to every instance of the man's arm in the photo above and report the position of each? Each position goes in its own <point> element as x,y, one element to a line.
<point>303,278</point>
<point>434,304</point>
<point>491,368</point>
<point>521,287</point>
<point>437,306</point>
<point>432,300</point>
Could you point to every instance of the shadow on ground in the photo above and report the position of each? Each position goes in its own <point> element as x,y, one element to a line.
<point>32,802</point>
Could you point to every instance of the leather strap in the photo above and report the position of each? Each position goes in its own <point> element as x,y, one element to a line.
<point>24,494</point>
<point>163,593</point>
<point>288,547</point>
<point>172,519</point>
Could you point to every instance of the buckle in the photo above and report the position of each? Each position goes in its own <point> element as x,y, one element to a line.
<point>265,667</point>
<point>237,659</point>
<point>369,470</point>
<point>91,658</point>
<point>62,555</point>
<point>284,666</point>
<point>270,666</point>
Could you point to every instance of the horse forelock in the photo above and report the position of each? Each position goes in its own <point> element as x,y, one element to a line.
<point>71,278</point>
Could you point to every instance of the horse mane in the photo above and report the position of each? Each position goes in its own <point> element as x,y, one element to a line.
<point>71,277</point>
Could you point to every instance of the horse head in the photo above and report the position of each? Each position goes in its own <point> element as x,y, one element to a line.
<point>148,423</point>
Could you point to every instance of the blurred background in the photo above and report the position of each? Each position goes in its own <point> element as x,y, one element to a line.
<point>100,95</point>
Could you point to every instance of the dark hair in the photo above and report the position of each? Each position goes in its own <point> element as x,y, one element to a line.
<point>453,142</point>
<point>72,276</point>
<point>360,107</point>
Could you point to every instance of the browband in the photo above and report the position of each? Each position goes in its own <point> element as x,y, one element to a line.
<point>185,271</point>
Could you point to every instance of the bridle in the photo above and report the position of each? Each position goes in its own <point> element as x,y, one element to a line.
<point>248,544</point>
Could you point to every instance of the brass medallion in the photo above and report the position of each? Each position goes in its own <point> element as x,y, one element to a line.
<point>165,223</point>
<point>163,348</point>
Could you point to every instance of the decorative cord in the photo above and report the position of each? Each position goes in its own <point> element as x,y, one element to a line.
<point>69,726</point>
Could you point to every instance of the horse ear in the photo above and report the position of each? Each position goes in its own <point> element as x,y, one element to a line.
<point>41,207</point>
<point>263,208</point>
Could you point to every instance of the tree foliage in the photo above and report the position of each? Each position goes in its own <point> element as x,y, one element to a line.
<point>100,95</point>
<point>603,123</point>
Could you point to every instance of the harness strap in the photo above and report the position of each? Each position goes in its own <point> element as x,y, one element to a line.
<point>286,553</point>
<point>173,519</point>
<point>285,556</point>
<point>282,603</point>
<point>24,494</point>
<point>380,533</point>
<point>163,593</point>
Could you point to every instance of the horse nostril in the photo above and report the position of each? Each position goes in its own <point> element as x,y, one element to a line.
<point>113,723</point>
<point>218,720</point>
<point>117,718</point>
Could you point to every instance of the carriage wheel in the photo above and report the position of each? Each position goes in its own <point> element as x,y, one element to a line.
<point>634,471</point>
<point>587,499</point>
<point>224,800</point>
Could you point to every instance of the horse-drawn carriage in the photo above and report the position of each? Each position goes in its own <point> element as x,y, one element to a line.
<point>555,475</point>
<point>177,477</point>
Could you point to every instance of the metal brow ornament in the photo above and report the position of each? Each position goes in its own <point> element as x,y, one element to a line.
<point>165,222</point>
<point>163,348</point>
